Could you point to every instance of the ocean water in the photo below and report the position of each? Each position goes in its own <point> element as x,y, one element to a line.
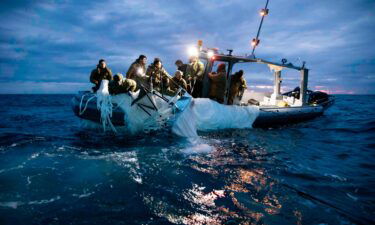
<point>54,172</point>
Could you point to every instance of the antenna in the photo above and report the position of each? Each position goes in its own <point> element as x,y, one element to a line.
<point>255,41</point>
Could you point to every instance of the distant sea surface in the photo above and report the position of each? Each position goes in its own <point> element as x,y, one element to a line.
<point>54,172</point>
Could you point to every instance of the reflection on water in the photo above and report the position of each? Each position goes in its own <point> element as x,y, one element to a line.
<point>246,188</point>
<point>245,193</point>
<point>52,172</point>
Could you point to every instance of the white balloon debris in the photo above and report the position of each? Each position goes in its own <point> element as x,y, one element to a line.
<point>146,111</point>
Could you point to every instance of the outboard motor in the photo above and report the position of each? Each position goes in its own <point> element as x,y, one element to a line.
<point>314,97</point>
<point>317,97</point>
<point>294,93</point>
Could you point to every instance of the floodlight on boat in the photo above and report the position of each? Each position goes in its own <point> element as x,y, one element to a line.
<point>192,51</point>
<point>255,42</point>
<point>263,12</point>
<point>210,54</point>
<point>140,71</point>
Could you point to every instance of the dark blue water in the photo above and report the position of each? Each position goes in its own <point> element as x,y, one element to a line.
<point>317,172</point>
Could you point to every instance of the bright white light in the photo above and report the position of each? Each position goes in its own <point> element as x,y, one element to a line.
<point>140,71</point>
<point>254,42</point>
<point>210,54</point>
<point>193,51</point>
<point>263,12</point>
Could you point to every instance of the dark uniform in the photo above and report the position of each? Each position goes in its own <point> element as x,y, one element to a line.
<point>196,70</point>
<point>136,72</point>
<point>217,86</point>
<point>120,85</point>
<point>175,84</point>
<point>99,74</point>
<point>159,78</point>
<point>237,87</point>
<point>184,69</point>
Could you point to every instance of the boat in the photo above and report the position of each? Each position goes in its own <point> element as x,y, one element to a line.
<point>275,109</point>
<point>150,109</point>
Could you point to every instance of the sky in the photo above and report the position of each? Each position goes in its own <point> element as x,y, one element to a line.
<point>52,46</point>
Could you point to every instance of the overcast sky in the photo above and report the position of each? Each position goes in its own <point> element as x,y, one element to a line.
<point>51,46</point>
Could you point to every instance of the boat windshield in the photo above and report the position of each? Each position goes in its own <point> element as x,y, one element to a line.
<point>258,76</point>
<point>249,69</point>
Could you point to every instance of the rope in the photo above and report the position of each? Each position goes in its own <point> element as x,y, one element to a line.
<point>104,104</point>
<point>105,107</point>
<point>87,102</point>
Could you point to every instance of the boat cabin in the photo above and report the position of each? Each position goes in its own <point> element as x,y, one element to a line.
<point>211,58</point>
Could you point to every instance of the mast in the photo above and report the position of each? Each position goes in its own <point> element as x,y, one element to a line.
<point>255,41</point>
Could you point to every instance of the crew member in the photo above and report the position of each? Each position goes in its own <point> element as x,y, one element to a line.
<point>177,82</point>
<point>237,87</point>
<point>101,72</point>
<point>218,82</point>
<point>159,77</point>
<point>182,67</point>
<point>137,71</point>
<point>120,85</point>
<point>195,76</point>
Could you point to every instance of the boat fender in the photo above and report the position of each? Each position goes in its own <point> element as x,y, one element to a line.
<point>253,102</point>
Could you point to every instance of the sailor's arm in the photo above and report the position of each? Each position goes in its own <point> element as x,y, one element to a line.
<point>130,71</point>
<point>200,70</point>
<point>188,72</point>
<point>149,71</point>
<point>184,84</point>
<point>93,78</point>
<point>166,74</point>
<point>109,76</point>
<point>243,84</point>
<point>213,76</point>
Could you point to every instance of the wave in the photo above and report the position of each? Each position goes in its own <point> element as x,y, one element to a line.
<point>10,140</point>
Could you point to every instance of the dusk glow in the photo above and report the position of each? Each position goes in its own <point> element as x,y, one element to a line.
<point>51,46</point>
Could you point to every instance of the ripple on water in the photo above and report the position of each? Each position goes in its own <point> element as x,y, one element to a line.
<point>318,172</point>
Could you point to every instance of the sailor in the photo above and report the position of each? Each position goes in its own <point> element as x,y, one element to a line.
<point>101,72</point>
<point>137,71</point>
<point>182,67</point>
<point>195,76</point>
<point>158,76</point>
<point>177,82</point>
<point>120,85</point>
<point>237,87</point>
<point>218,82</point>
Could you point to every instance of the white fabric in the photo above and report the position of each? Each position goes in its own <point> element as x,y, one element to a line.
<point>185,124</point>
<point>202,114</point>
<point>104,104</point>
<point>211,115</point>
<point>208,115</point>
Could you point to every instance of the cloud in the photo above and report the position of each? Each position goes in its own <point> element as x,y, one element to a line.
<point>61,41</point>
<point>31,87</point>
